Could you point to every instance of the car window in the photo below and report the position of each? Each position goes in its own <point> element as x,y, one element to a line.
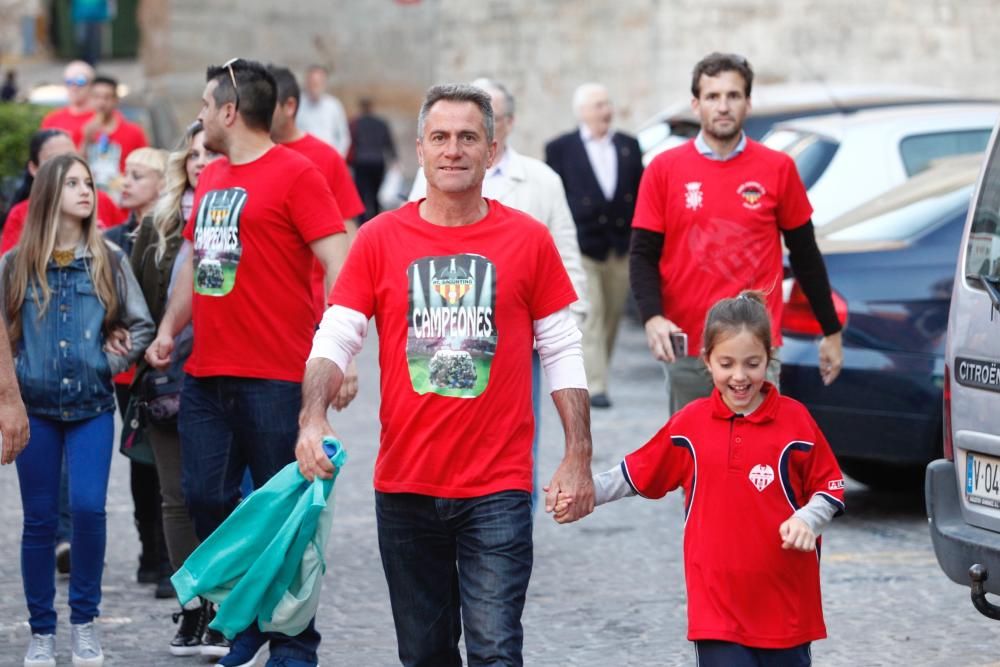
<point>918,151</point>
<point>908,221</point>
<point>811,152</point>
<point>983,256</point>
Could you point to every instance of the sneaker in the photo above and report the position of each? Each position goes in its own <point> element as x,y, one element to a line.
<point>215,644</point>
<point>247,648</point>
<point>187,641</point>
<point>289,662</point>
<point>62,558</point>
<point>86,646</point>
<point>41,651</point>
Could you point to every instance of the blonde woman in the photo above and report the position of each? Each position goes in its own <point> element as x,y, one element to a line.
<point>63,290</point>
<point>142,183</point>
<point>157,253</point>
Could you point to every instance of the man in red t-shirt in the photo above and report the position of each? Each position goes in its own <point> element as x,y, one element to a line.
<point>453,282</point>
<point>107,137</point>
<point>259,218</point>
<point>286,132</point>
<point>71,118</point>
<point>707,225</point>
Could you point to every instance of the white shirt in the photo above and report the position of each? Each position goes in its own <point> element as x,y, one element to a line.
<point>325,119</point>
<point>603,160</point>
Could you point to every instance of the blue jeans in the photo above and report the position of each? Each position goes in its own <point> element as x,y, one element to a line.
<point>87,445</point>
<point>227,424</point>
<point>710,653</point>
<point>453,562</point>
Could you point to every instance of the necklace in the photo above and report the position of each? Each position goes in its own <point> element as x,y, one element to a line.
<point>63,257</point>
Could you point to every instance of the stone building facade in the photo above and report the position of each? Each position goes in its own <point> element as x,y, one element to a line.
<point>643,50</point>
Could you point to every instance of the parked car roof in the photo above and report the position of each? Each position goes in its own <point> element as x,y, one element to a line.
<point>846,160</point>
<point>776,102</point>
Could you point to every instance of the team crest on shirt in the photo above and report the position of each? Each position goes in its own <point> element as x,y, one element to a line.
<point>694,196</point>
<point>751,192</point>
<point>761,476</point>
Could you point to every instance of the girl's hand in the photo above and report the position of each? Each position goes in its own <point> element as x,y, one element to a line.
<point>796,534</point>
<point>560,511</point>
<point>119,342</point>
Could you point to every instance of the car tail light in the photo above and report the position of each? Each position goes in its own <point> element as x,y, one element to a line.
<point>949,446</point>
<point>797,316</point>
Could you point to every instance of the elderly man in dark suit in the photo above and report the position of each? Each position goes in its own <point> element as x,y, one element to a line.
<point>600,169</point>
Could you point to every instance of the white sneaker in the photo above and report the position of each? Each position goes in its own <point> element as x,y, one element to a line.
<point>41,651</point>
<point>86,646</point>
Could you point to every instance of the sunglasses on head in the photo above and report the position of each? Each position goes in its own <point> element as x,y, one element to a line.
<point>78,81</point>
<point>232,77</point>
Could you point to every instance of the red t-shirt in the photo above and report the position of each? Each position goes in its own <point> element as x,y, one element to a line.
<point>108,215</point>
<point>333,167</point>
<point>721,222</point>
<point>65,119</point>
<point>742,478</point>
<point>454,308</point>
<point>125,138</point>
<point>251,226</point>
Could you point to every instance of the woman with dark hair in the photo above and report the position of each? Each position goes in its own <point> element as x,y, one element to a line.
<point>45,145</point>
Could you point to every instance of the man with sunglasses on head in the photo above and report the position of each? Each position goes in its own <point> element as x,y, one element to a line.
<point>77,76</point>
<point>708,224</point>
<point>261,214</point>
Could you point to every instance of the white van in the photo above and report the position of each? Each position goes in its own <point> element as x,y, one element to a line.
<point>963,489</point>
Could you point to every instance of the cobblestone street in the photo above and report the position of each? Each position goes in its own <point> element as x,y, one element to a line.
<point>606,591</point>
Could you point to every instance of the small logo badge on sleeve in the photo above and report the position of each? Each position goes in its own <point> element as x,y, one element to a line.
<point>835,485</point>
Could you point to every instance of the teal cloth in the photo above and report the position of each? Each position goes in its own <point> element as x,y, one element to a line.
<point>265,561</point>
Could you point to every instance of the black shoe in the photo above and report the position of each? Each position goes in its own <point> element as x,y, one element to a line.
<point>600,401</point>
<point>62,558</point>
<point>213,642</point>
<point>165,589</point>
<point>145,575</point>
<point>187,641</point>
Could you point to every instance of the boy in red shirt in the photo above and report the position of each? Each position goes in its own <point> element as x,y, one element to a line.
<point>760,484</point>
<point>108,138</point>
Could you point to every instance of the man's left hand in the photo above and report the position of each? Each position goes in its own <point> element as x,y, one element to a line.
<point>831,357</point>
<point>573,478</point>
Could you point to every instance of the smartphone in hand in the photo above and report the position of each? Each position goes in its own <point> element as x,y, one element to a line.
<point>679,341</point>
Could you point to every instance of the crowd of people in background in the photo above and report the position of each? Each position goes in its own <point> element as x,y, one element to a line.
<point>216,295</point>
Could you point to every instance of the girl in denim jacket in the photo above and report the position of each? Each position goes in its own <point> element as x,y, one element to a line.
<point>64,291</point>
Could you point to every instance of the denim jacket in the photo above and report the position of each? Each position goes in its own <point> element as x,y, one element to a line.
<point>62,368</point>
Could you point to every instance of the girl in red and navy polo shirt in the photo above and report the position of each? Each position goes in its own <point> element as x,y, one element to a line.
<point>760,484</point>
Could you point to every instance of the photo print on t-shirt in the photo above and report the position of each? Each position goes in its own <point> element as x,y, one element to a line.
<point>452,335</point>
<point>217,247</point>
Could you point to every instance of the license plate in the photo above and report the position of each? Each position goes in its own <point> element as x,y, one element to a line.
<point>982,480</point>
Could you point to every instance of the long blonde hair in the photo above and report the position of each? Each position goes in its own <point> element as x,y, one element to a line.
<point>167,219</point>
<point>34,250</point>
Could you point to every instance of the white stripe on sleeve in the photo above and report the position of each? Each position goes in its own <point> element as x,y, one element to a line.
<point>340,336</point>
<point>557,339</point>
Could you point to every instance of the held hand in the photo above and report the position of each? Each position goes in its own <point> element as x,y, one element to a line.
<point>831,357</point>
<point>313,461</point>
<point>13,427</point>
<point>658,330</point>
<point>796,534</point>
<point>159,351</point>
<point>348,388</point>
<point>119,342</point>
<point>561,511</point>
<point>572,481</point>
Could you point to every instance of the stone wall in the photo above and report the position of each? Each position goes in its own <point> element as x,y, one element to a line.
<point>642,50</point>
